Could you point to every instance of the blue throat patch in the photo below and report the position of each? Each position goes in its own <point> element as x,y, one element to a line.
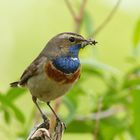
<point>68,64</point>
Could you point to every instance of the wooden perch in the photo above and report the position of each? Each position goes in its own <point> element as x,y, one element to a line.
<point>42,132</point>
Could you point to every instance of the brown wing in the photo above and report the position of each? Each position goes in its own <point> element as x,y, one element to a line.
<point>31,70</point>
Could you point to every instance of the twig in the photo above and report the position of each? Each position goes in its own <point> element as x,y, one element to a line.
<point>77,18</point>
<point>96,130</point>
<point>42,132</point>
<point>71,9</point>
<point>93,116</point>
<point>108,18</point>
<point>80,16</point>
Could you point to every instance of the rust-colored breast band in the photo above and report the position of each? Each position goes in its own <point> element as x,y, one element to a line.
<point>59,76</point>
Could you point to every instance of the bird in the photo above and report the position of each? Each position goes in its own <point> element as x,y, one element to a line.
<point>55,70</point>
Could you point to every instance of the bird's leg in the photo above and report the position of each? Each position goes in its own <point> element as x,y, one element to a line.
<point>42,114</point>
<point>57,118</point>
<point>58,121</point>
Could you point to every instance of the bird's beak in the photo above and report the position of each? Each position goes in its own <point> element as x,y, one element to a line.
<point>88,42</point>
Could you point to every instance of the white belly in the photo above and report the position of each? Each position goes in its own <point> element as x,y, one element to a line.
<point>45,88</point>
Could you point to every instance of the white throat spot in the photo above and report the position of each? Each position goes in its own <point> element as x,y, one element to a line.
<point>74,58</point>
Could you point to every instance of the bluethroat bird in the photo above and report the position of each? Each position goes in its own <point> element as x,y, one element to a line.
<point>55,70</point>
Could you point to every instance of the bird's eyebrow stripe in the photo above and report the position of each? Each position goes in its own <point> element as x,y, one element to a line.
<point>72,34</point>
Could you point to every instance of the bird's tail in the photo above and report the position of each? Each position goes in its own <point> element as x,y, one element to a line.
<point>14,84</point>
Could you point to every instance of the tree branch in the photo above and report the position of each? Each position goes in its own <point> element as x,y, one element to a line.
<point>77,18</point>
<point>101,115</point>
<point>108,18</point>
<point>42,132</point>
<point>71,9</point>
<point>80,16</point>
<point>97,122</point>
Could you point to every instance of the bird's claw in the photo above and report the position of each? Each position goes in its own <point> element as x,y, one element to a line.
<point>59,130</point>
<point>59,122</point>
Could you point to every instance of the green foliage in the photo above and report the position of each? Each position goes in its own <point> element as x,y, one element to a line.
<point>135,107</point>
<point>8,106</point>
<point>121,93</point>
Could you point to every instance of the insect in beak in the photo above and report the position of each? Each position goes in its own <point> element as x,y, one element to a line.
<point>92,42</point>
<point>88,42</point>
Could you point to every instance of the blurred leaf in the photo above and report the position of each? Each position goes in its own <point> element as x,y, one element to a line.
<point>106,73</point>
<point>98,68</point>
<point>88,24</point>
<point>23,134</point>
<point>7,103</point>
<point>80,127</point>
<point>93,70</point>
<point>14,93</point>
<point>112,126</point>
<point>7,116</point>
<point>136,37</point>
<point>136,111</point>
<point>99,65</point>
<point>131,83</point>
<point>19,115</point>
<point>112,98</point>
<point>134,71</point>
<point>76,92</point>
<point>132,78</point>
<point>72,109</point>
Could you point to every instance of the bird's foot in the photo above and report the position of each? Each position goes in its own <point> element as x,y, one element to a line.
<point>59,129</point>
<point>58,122</point>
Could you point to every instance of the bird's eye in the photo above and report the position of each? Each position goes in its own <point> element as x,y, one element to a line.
<point>71,39</point>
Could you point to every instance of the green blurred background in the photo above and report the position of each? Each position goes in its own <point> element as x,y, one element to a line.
<point>104,104</point>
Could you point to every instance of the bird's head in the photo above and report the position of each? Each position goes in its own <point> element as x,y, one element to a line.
<point>66,44</point>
